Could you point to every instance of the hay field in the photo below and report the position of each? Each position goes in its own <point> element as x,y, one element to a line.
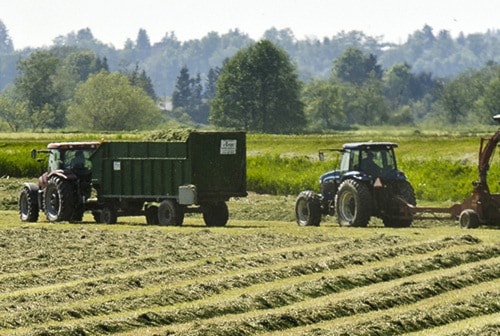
<point>248,278</point>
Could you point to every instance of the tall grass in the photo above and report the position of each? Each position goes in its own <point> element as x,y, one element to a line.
<point>16,161</point>
<point>434,180</point>
<point>273,174</point>
<point>441,167</point>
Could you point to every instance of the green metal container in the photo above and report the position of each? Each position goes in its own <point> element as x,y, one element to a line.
<point>208,167</point>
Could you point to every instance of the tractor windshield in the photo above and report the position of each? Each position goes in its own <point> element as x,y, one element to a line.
<point>77,159</point>
<point>377,161</point>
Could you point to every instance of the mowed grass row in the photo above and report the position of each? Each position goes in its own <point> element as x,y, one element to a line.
<point>247,278</point>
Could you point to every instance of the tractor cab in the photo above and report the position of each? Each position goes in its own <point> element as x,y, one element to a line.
<point>373,159</point>
<point>69,156</point>
<point>70,160</point>
<point>364,161</point>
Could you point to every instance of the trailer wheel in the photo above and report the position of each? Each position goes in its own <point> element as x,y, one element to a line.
<point>405,191</point>
<point>28,205</point>
<point>97,216</point>
<point>151,213</point>
<point>170,213</point>
<point>308,209</point>
<point>468,219</point>
<point>215,214</point>
<point>353,204</point>
<point>109,215</point>
<point>58,200</point>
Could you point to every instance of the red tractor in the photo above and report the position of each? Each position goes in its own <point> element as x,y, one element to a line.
<point>65,186</point>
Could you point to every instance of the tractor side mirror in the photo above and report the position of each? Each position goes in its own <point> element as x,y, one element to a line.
<point>33,153</point>
<point>321,156</point>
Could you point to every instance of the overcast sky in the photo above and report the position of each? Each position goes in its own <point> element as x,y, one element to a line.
<point>37,22</point>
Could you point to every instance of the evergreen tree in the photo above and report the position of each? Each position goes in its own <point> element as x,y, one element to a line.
<point>182,92</point>
<point>6,45</point>
<point>141,79</point>
<point>211,88</point>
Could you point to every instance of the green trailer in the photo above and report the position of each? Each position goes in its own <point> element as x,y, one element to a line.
<point>162,180</point>
<point>168,179</point>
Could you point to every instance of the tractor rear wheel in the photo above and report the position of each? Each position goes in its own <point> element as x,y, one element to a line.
<point>308,209</point>
<point>58,200</point>
<point>170,213</point>
<point>404,191</point>
<point>28,205</point>
<point>468,219</point>
<point>353,204</point>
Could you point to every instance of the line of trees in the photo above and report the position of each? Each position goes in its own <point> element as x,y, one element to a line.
<point>260,87</point>
<point>72,87</point>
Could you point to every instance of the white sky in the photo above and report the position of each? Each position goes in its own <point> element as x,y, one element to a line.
<point>37,22</point>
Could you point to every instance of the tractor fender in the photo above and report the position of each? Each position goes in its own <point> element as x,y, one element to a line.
<point>63,174</point>
<point>34,190</point>
<point>398,175</point>
<point>32,187</point>
<point>331,175</point>
<point>355,175</point>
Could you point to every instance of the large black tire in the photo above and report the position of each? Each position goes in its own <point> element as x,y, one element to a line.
<point>109,215</point>
<point>59,201</point>
<point>151,213</point>
<point>468,219</point>
<point>404,190</point>
<point>170,213</point>
<point>353,204</point>
<point>97,216</point>
<point>308,209</point>
<point>28,205</point>
<point>215,214</point>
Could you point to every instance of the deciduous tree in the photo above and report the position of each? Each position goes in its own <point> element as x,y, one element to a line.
<point>108,102</point>
<point>258,90</point>
<point>36,85</point>
<point>324,107</point>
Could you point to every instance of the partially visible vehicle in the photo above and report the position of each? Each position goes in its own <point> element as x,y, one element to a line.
<point>160,180</point>
<point>64,189</point>
<point>482,207</point>
<point>367,183</point>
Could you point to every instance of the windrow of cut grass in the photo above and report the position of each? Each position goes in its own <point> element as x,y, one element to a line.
<point>96,280</point>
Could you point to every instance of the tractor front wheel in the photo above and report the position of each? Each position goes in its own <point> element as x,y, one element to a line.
<point>28,205</point>
<point>353,204</point>
<point>308,209</point>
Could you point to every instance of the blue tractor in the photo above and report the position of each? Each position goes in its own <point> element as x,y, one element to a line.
<point>367,183</point>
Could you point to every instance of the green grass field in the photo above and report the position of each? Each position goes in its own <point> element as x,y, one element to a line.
<point>262,274</point>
